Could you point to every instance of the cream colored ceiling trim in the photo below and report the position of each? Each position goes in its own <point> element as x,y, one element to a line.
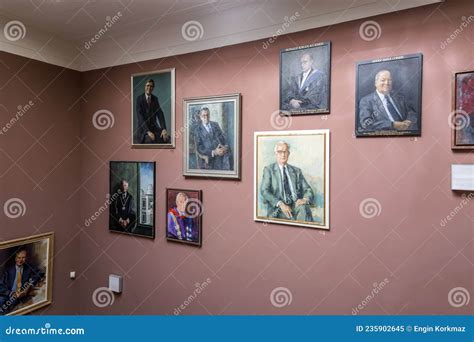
<point>116,42</point>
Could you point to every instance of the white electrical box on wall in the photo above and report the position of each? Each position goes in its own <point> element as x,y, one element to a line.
<point>462,177</point>
<point>115,283</point>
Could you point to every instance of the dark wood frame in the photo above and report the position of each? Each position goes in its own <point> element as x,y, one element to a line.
<point>327,110</point>
<point>454,109</point>
<point>417,133</point>
<point>199,192</point>
<point>138,182</point>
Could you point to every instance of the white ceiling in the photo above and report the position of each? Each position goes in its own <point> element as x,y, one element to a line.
<point>58,31</point>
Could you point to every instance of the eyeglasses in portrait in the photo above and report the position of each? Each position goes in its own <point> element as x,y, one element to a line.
<point>305,79</point>
<point>212,136</point>
<point>291,178</point>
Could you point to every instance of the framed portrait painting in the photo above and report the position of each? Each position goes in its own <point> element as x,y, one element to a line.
<point>132,198</point>
<point>388,96</point>
<point>184,216</point>
<point>26,268</point>
<point>291,178</point>
<point>153,109</point>
<point>462,116</point>
<point>212,136</point>
<point>305,75</point>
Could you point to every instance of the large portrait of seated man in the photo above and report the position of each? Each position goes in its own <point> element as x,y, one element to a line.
<point>292,178</point>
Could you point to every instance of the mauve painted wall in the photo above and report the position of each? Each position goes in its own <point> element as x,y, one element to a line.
<point>40,163</point>
<point>326,272</point>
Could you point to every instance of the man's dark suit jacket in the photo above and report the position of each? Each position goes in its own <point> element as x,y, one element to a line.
<point>147,119</point>
<point>313,93</point>
<point>271,187</point>
<point>373,117</point>
<point>206,142</point>
<point>29,275</point>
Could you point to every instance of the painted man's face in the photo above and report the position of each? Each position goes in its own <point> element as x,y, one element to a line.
<point>282,153</point>
<point>306,63</point>
<point>181,202</point>
<point>204,115</point>
<point>20,258</point>
<point>149,88</point>
<point>383,83</point>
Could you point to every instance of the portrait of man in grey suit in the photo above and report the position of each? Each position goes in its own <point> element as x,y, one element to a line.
<point>211,144</point>
<point>391,108</point>
<point>286,193</point>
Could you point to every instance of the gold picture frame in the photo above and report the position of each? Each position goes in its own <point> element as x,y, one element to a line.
<point>32,257</point>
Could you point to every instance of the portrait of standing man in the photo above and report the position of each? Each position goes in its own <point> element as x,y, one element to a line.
<point>389,97</point>
<point>153,115</point>
<point>304,79</point>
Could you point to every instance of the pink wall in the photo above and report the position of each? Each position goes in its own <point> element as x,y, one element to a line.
<point>40,163</point>
<point>326,272</point>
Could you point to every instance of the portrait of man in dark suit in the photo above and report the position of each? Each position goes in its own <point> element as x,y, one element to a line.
<point>151,121</point>
<point>388,100</point>
<point>384,111</point>
<point>123,213</point>
<point>153,109</point>
<point>211,144</point>
<point>132,198</point>
<point>17,281</point>
<point>304,87</point>
<point>284,189</point>
<point>212,136</point>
